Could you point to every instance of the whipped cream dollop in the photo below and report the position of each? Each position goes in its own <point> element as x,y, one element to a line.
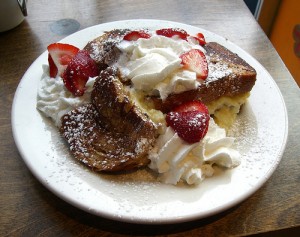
<point>154,65</point>
<point>54,99</point>
<point>175,160</point>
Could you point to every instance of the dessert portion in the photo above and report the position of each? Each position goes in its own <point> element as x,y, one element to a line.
<point>103,50</point>
<point>111,133</point>
<point>229,81</point>
<point>228,76</point>
<point>159,99</point>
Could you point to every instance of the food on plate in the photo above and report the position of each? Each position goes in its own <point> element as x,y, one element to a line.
<point>111,133</point>
<point>158,98</point>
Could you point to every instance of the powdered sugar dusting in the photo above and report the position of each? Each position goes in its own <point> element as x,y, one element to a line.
<point>217,71</point>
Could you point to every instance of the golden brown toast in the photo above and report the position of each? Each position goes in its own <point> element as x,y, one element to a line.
<point>103,48</point>
<point>111,133</point>
<point>229,75</point>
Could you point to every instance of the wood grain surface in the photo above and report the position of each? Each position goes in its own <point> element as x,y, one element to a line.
<point>27,208</point>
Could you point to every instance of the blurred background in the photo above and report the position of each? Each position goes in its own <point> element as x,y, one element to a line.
<point>280,20</point>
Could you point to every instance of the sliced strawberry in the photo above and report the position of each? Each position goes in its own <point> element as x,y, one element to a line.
<point>60,55</point>
<point>78,71</point>
<point>195,60</point>
<point>190,121</point>
<point>191,106</point>
<point>200,39</point>
<point>52,67</point>
<point>170,32</point>
<point>135,35</point>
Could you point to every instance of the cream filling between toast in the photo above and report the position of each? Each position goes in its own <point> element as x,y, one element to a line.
<point>225,109</point>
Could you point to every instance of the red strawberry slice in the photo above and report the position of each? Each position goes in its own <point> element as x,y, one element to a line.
<point>78,71</point>
<point>52,67</point>
<point>190,121</point>
<point>195,60</point>
<point>170,32</point>
<point>59,56</point>
<point>200,39</point>
<point>191,106</point>
<point>135,35</point>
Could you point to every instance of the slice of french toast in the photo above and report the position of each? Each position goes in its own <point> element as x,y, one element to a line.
<point>111,133</point>
<point>103,49</point>
<point>229,75</point>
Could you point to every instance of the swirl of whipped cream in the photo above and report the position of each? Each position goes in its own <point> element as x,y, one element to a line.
<point>53,98</point>
<point>176,160</point>
<point>154,65</point>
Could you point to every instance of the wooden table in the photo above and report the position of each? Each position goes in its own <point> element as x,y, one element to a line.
<point>27,208</point>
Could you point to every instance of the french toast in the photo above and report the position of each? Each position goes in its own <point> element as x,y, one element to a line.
<point>112,133</point>
<point>229,75</point>
<point>103,49</point>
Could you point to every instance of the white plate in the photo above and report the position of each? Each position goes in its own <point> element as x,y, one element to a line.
<point>261,132</point>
